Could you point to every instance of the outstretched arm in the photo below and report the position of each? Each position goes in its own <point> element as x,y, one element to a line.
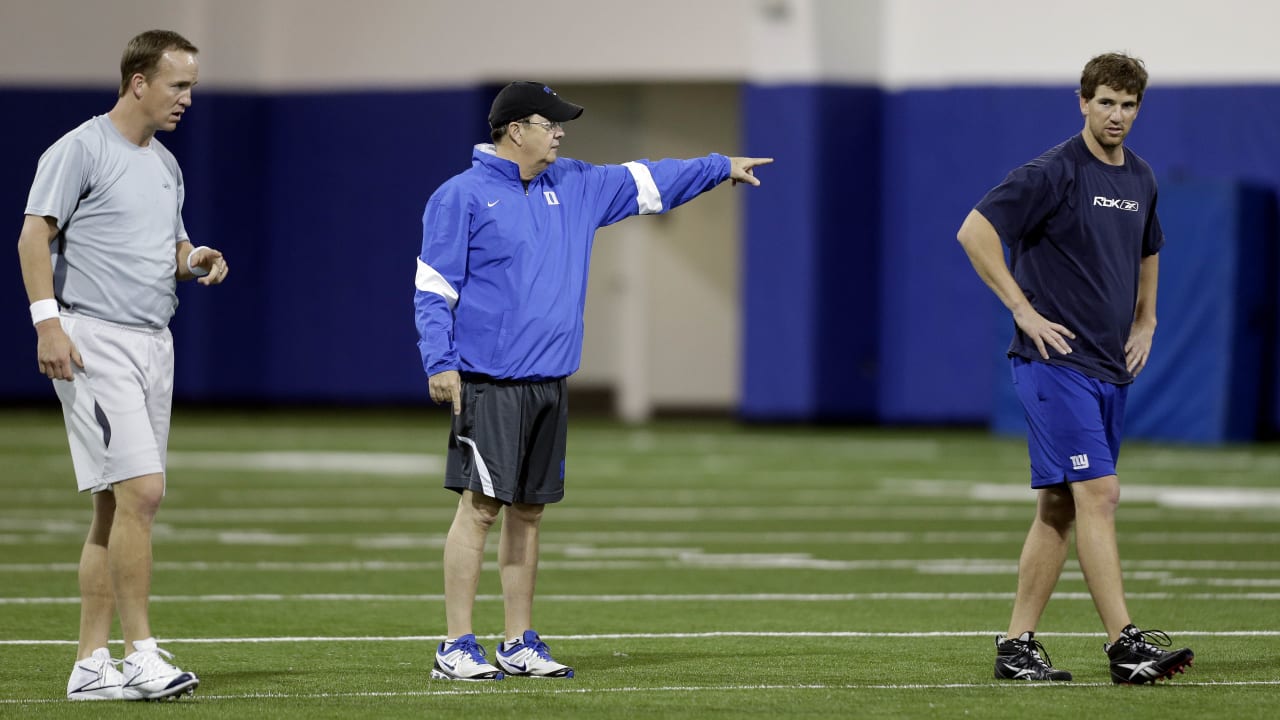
<point>740,169</point>
<point>981,243</point>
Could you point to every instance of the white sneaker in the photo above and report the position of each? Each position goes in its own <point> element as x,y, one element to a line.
<point>95,678</point>
<point>530,657</point>
<point>463,660</point>
<point>149,676</point>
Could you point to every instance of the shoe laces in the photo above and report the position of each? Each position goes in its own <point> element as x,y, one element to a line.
<point>540,648</point>
<point>472,648</point>
<point>109,664</point>
<point>154,659</point>
<point>1033,648</point>
<point>1147,640</point>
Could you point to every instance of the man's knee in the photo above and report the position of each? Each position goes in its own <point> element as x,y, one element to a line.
<point>139,497</point>
<point>1099,495</point>
<point>1056,508</point>
<point>527,514</point>
<point>479,509</point>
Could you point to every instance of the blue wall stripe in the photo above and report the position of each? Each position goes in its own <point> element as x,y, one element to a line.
<point>858,304</point>
<point>810,286</point>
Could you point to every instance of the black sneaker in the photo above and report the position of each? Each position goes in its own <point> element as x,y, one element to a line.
<point>1136,660</point>
<point>1020,659</point>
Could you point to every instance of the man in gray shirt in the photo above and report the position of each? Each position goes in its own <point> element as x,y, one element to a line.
<point>102,248</point>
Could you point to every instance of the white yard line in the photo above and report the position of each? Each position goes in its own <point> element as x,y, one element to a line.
<point>591,559</point>
<point>361,463</point>
<point>655,636</point>
<point>515,688</point>
<point>169,535</point>
<point>710,597</point>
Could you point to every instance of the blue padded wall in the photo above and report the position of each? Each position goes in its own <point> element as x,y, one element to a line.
<point>936,333</point>
<point>316,200</point>
<point>45,116</point>
<point>1208,379</point>
<point>810,285</point>
<point>936,327</point>
<point>858,304</point>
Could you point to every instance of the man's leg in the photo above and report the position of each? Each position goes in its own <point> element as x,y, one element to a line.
<point>518,564</point>
<point>129,553</point>
<point>1043,554</point>
<point>97,601</point>
<point>464,558</point>
<point>523,653</point>
<point>1096,501</point>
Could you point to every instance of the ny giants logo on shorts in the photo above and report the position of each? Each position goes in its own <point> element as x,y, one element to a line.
<point>1080,462</point>
<point>1130,205</point>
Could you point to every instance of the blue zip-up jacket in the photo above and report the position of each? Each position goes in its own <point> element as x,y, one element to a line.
<point>502,278</point>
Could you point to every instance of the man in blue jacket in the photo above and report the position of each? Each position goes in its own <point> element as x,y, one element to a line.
<point>501,288</point>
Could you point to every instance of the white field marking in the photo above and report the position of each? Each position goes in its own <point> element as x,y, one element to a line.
<point>172,536</point>
<point>1215,462</point>
<point>651,636</point>
<point>1165,496</point>
<point>680,445</point>
<point>76,520</point>
<point>361,463</point>
<point>587,559</point>
<point>562,689</point>
<point>707,597</point>
<point>1223,582</point>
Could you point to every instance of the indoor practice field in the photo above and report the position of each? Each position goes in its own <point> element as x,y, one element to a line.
<point>696,569</point>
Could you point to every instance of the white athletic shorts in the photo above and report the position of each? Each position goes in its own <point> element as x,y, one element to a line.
<point>117,408</point>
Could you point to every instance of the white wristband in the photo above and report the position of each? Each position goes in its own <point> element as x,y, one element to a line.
<point>196,271</point>
<point>42,310</point>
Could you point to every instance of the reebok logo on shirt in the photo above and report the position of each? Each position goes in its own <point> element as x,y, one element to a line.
<point>1130,205</point>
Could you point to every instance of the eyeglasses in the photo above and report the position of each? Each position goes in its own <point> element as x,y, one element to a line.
<point>548,125</point>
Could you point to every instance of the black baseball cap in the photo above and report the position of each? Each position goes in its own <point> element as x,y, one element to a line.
<point>522,99</point>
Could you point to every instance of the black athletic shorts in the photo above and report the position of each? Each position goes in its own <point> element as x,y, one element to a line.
<point>509,442</point>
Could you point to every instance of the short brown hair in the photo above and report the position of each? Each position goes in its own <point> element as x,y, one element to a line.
<point>1115,70</point>
<point>142,54</point>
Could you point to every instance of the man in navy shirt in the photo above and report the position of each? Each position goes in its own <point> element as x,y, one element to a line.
<point>501,287</point>
<point>1083,238</point>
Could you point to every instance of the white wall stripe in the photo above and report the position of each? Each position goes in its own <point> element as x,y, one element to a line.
<point>647,195</point>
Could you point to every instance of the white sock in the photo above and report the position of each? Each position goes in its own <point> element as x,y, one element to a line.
<point>144,644</point>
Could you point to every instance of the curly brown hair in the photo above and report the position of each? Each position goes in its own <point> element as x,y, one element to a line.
<point>1115,70</point>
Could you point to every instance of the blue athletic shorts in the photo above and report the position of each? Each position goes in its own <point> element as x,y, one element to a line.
<point>1074,422</point>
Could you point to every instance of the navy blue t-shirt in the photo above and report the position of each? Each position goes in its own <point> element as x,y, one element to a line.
<point>1077,230</point>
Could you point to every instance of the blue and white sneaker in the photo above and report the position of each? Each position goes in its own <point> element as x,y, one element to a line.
<point>95,678</point>
<point>463,660</point>
<point>530,657</point>
<point>148,675</point>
